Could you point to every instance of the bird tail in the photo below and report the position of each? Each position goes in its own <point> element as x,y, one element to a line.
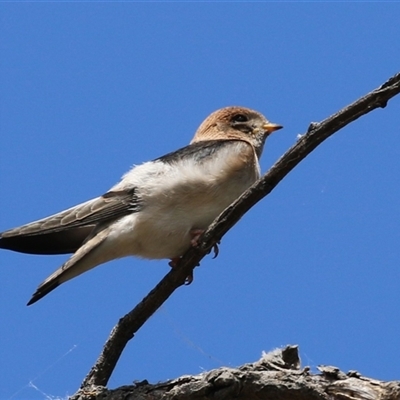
<point>83,260</point>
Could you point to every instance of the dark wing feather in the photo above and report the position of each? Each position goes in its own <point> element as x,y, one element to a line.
<point>198,151</point>
<point>66,231</point>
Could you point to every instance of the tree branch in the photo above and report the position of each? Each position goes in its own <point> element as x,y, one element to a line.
<point>316,134</point>
<point>277,375</point>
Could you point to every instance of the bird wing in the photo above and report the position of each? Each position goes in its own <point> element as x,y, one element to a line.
<point>66,231</point>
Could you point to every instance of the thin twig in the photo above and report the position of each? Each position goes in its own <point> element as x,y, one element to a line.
<point>316,134</point>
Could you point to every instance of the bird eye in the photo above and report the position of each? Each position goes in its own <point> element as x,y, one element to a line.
<point>240,118</point>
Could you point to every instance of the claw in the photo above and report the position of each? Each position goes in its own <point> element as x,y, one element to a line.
<point>174,263</point>
<point>195,233</point>
<point>215,249</point>
<point>189,279</point>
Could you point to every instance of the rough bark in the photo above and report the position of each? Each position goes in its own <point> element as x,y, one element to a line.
<point>276,376</point>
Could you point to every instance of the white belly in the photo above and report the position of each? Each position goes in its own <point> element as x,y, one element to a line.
<point>179,198</point>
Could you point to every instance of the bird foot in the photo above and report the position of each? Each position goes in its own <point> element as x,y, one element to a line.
<point>215,249</point>
<point>174,263</point>
<point>196,234</point>
<point>194,241</point>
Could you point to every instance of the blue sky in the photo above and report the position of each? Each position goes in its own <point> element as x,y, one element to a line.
<point>89,89</point>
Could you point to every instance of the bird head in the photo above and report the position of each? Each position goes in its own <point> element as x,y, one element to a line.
<point>237,123</point>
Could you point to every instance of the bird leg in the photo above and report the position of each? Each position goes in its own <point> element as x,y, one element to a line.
<point>196,234</point>
<point>194,241</point>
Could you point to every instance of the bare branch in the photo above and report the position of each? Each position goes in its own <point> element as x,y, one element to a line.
<point>316,134</point>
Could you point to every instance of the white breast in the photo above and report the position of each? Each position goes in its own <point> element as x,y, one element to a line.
<point>180,196</point>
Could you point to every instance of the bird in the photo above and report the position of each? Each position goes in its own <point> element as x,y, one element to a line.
<point>160,208</point>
